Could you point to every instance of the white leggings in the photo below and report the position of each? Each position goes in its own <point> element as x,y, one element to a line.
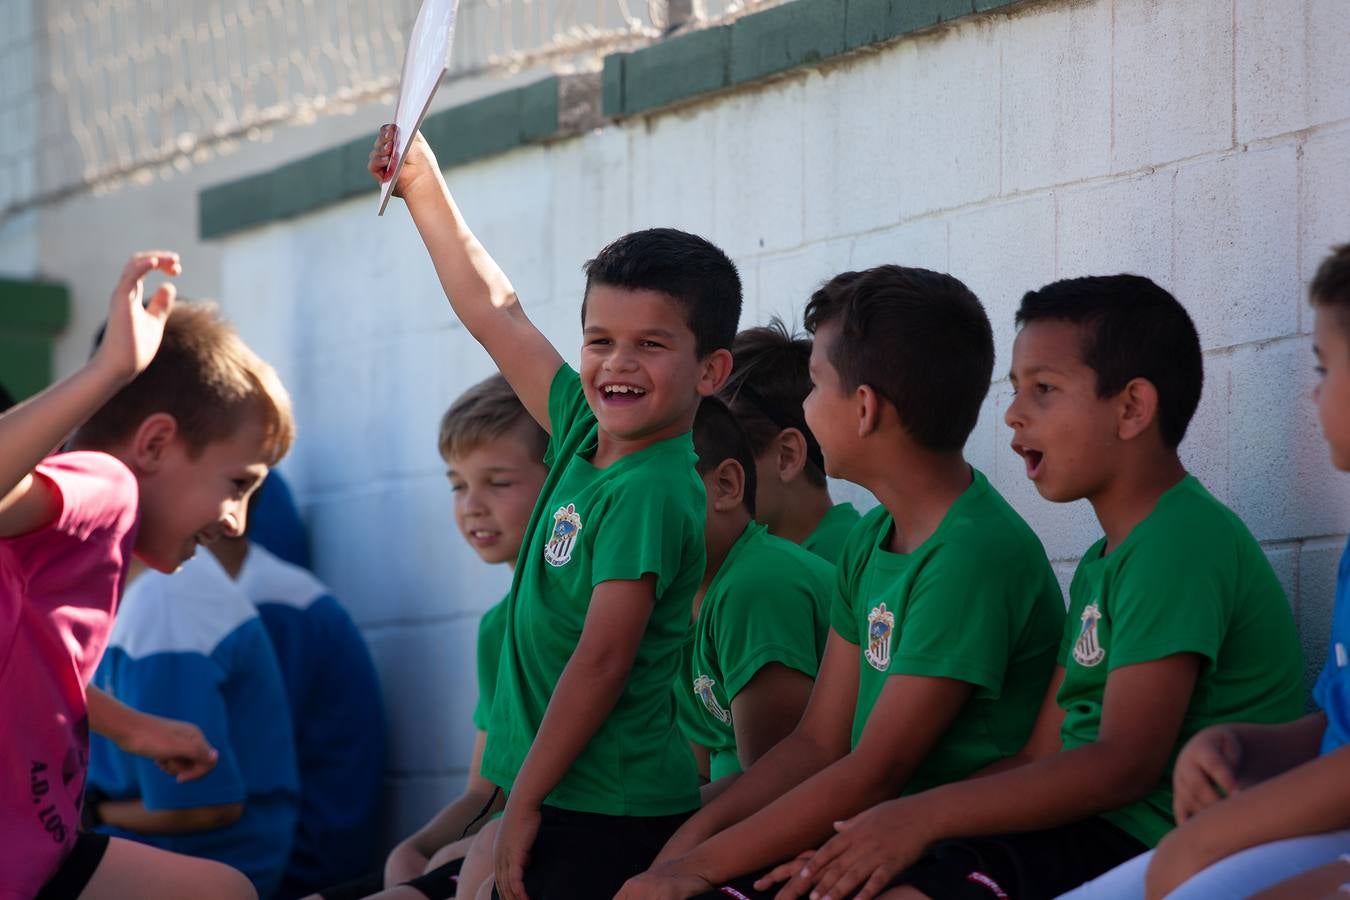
<point>1240,875</point>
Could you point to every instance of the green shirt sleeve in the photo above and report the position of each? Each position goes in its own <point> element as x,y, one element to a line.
<point>843,616</point>
<point>566,409</point>
<point>959,619</point>
<point>491,636</point>
<point>1168,597</point>
<point>649,529</point>
<point>769,619</point>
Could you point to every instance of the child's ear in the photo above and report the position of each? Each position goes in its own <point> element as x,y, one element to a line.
<point>867,405</point>
<point>728,484</point>
<point>1137,408</point>
<point>714,369</point>
<point>151,441</point>
<point>791,447</point>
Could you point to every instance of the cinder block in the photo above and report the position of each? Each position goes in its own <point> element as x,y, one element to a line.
<point>921,243</point>
<point>410,802</point>
<point>611,84</point>
<point>1001,252</point>
<point>787,280</point>
<point>427,673</point>
<point>1173,81</point>
<point>1117,226</point>
<point>1056,90</point>
<point>845,137</point>
<point>1324,205</point>
<point>982,448</point>
<point>947,118</point>
<point>590,205</point>
<point>1283,485</point>
<point>1284,559</point>
<point>1291,69</point>
<point>1236,263</point>
<point>392,552</point>
<point>757,173</point>
<point>1205,449</point>
<point>672,182</point>
<point>781,37</point>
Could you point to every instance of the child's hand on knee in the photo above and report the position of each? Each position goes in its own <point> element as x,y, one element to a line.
<point>1206,771</point>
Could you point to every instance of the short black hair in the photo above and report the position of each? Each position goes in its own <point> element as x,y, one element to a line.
<point>1330,287</point>
<point>1132,328</point>
<point>719,437</point>
<point>688,268</point>
<point>918,338</point>
<point>770,378</point>
<point>6,399</point>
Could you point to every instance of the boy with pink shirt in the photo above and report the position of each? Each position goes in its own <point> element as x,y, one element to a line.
<point>177,423</point>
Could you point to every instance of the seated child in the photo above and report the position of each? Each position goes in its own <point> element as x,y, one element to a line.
<point>178,423</point>
<point>1287,786</point>
<point>275,523</point>
<point>769,381</point>
<point>337,714</point>
<point>582,734</point>
<point>946,611</point>
<point>760,616</point>
<point>191,646</point>
<point>1176,622</point>
<point>494,457</point>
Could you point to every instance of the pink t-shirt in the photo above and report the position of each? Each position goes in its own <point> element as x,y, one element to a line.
<point>59,587</point>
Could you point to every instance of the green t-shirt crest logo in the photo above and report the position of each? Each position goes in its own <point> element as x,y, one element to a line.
<point>566,528</point>
<point>880,624</point>
<point>703,689</point>
<point>1088,650</point>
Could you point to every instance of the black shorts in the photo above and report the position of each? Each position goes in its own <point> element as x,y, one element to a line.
<point>582,856</point>
<point>438,884</point>
<point>1030,866</point>
<point>77,869</point>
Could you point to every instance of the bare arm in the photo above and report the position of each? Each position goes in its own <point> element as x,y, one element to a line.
<point>589,687</point>
<point>34,429</point>
<point>1312,798</point>
<point>179,748</point>
<point>822,736</point>
<point>767,710</point>
<point>133,816</point>
<point>478,290</point>
<point>462,816</point>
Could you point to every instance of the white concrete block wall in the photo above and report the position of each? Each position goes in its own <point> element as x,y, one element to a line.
<point>1201,143</point>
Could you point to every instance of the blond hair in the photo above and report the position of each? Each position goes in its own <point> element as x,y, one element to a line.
<point>208,379</point>
<point>485,412</point>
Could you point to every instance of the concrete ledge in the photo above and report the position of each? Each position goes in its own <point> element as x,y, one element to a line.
<point>485,127</point>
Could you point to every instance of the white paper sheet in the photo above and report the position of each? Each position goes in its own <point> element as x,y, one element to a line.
<point>424,66</point>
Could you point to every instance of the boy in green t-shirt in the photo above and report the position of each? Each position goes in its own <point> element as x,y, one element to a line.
<point>769,380</point>
<point>1176,622</point>
<point>582,734</point>
<point>946,612</point>
<point>760,616</point>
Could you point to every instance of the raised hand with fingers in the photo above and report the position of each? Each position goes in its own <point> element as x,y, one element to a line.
<point>179,748</point>
<point>135,327</point>
<point>1206,771</point>
<point>418,162</point>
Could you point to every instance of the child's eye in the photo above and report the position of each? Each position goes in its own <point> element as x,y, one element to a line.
<point>241,485</point>
<point>1043,388</point>
<point>456,487</point>
<point>651,344</point>
<point>502,484</point>
<point>596,342</point>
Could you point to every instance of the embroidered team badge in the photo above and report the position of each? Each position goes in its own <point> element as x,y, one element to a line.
<point>880,625</point>
<point>703,689</point>
<point>1088,650</point>
<point>566,527</point>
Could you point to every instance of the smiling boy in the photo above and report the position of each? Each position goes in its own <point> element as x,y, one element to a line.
<point>582,733</point>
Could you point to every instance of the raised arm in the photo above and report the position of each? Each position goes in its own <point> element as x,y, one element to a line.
<point>478,290</point>
<point>34,429</point>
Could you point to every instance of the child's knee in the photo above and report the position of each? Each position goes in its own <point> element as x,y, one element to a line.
<point>226,883</point>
